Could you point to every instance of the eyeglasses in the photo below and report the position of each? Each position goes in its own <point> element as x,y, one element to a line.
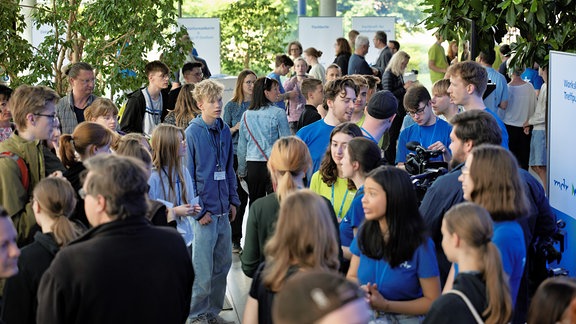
<point>52,116</point>
<point>418,112</point>
<point>86,81</point>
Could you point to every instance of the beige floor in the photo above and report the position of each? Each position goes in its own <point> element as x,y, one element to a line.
<point>237,291</point>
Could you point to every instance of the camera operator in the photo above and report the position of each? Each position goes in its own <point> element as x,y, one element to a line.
<point>472,128</point>
<point>430,131</point>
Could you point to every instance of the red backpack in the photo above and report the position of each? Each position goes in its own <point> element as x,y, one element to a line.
<point>21,165</point>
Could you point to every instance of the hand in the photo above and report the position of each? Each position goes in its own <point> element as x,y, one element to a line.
<point>375,298</point>
<point>232,214</point>
<point>195,209</point>
<point>292,94</point>
<point>183,210</point>
<point>437,146</point>
<point>206,219</point>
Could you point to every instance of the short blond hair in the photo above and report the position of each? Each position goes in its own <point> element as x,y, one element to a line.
<point>207,89</point>
<point>100,107</point>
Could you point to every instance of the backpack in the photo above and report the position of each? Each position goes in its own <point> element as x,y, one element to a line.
<point>21,165</point>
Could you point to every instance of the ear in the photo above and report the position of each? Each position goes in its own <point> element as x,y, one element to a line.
<point>36,208</point>
<point>356,165</point>
<point>330,103</point>
<point>30,118</point>
<point>457,241</point>
<point>470,88</point>
<point>468,146</point>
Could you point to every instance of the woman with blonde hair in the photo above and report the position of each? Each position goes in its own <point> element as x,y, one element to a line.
<point>185,109</point>
<point>170,182</point>
<point>87,140</point>
<point>53,203</point>
<point>288,164</point>
<point>467,232</point>
<point>393,80</point>
<point>317,70</point>
<point>305,239</point>
<point>491,179</point>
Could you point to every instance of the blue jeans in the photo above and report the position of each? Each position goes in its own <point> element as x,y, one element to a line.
<point>211,258</point>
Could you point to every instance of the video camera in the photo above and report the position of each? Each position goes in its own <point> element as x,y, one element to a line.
<point>422,171</point>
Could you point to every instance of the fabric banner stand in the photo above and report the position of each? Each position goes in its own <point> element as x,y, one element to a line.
<point>368,26</point>
<point>561,150</point>
<point>205,33</point>
<point>320,33</point>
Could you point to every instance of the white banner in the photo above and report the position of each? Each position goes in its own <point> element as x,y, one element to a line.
<point>205,33</point>
<point>561,117</point>
<point>368,26</point>
<point>320,33</point>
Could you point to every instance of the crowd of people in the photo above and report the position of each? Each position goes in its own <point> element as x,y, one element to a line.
<point>135,218</point>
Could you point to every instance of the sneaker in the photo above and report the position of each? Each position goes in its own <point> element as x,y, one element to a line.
<point>216,319</point>
<point>236,248</point>
<point>200,319</point>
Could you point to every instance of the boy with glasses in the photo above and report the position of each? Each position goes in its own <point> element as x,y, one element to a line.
<point>147,107</point>
<point>430,131</point>
<point>22,161</point>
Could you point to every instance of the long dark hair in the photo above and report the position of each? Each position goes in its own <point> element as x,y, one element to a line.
<point>328,169</point>
<point>405,224</point>
<point>259,99</point>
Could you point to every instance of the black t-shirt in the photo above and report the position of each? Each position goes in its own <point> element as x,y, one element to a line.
<point>79,114</point>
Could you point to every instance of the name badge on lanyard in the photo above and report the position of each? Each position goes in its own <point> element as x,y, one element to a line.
<point>219,175</point>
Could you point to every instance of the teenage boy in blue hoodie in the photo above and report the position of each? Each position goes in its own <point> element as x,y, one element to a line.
<point>210,162</point>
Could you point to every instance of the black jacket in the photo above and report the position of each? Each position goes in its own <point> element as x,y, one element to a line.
<point>20,290</point>
<point>132,120</point>
<point>124,271</point>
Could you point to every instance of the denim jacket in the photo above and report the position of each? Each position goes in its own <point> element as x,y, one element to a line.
<point>209,151</point>
<point>266,124</point>
<point>232,115</point>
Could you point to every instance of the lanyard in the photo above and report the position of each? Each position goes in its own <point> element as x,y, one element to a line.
<point>343,201</point>
<point>368,135</point>
<point>215,143</point>
<point>155,113</point>
<point>431,140</point>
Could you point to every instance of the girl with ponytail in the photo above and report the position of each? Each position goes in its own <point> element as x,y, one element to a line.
<point>53,203</point>
<point>288,163</point>
<point>467,232</point>
<point>87,140</point>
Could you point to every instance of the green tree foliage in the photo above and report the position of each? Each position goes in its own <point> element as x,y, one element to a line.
<point>15,51</point>
<point>542,24</point>
<point>252,33</point>
<point>113,36</point>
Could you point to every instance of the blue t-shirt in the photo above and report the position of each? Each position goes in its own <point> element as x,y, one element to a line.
<point>276,77</point>
<point>353,219</point>
<point>400,283</point>
<point>425,135</point>
<point>317,137</point>
<point>509,238</point>
<point>502,128</point>
<point>531,75</point>
<point>500,93</point>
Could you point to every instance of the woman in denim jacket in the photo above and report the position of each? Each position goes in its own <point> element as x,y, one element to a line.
<point>261,125</point>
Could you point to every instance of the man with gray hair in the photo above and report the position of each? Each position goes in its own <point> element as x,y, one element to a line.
<point>357,63</point>
<point>385,54</point>
<point>124,269</point>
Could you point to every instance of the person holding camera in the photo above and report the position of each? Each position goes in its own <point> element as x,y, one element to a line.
<point>430,131</point>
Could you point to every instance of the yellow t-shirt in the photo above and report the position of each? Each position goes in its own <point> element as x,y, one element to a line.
<point>339,195</point>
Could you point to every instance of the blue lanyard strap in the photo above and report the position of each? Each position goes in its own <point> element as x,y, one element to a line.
<point>368,135</point>
<point>339,215</point>
<point>216,144</point>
